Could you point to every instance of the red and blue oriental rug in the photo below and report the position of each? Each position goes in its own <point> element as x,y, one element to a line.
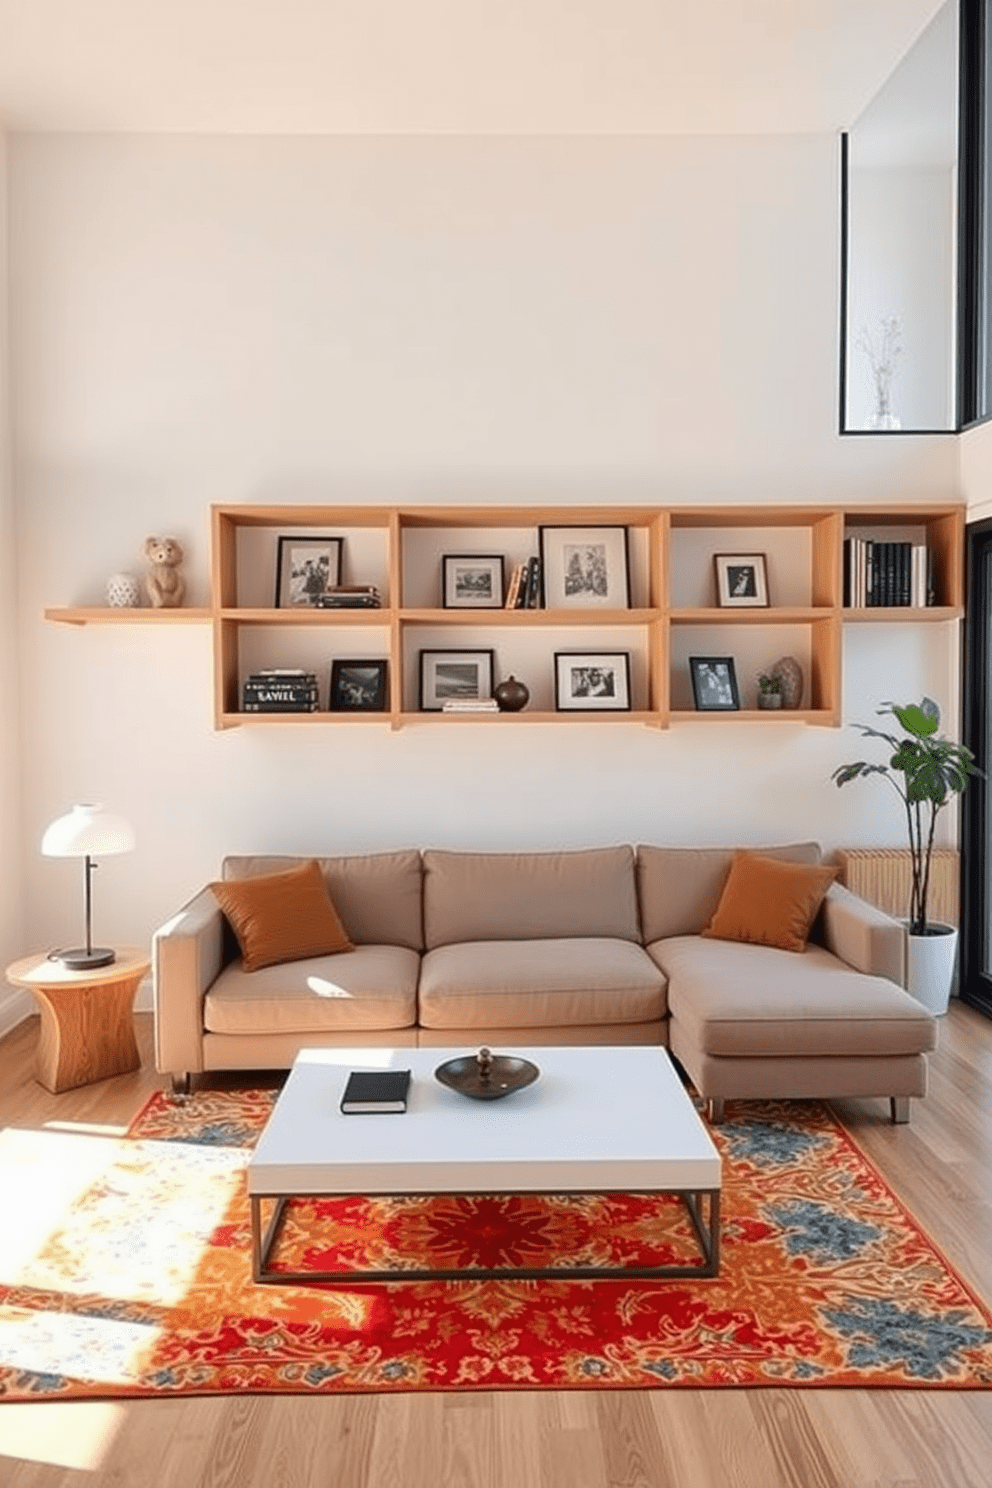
<point>143,1287</point>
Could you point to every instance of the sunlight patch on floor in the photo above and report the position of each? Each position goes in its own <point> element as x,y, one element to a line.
<point>101,1351</point>
<point>123,1220</point>
<point>72,1434</point>
<point>87,1128</point>
<point>41,1176</point>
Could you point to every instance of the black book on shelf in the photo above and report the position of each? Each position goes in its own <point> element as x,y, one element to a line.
<point>848,560</point>
<point>905,574</point>
<point>371,1091</point>
<point>534,584</point>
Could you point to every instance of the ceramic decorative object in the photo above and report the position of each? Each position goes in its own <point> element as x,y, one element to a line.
<point>511,695</point>
<point>790,673</point>
<point>770,700</point>
<point>487,1076</point>
<point>123,591</point>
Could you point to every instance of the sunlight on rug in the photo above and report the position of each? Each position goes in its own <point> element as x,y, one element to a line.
<point>139,1282</point>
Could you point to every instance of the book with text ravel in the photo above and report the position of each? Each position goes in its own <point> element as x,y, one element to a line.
<point>375,1090</point>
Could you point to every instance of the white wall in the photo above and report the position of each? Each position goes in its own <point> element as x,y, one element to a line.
<point>901,265</point>
<point>204,320</point>
<point>12,1004</point>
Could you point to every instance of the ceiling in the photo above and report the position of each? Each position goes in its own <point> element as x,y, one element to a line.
<point>448,66</point>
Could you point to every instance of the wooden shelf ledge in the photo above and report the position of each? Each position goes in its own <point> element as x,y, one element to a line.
<point>109,615</point>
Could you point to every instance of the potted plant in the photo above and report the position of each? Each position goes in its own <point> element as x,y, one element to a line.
<point>926,770</point>
<point>770,689</point>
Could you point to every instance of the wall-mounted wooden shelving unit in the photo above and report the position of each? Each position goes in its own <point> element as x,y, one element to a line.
<point>673,603</point>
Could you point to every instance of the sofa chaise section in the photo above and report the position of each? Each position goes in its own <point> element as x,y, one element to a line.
<point>756,1022</point>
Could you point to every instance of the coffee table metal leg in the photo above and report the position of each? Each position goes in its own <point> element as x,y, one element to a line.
<point>261,1244</point>
<point>709,1236</point>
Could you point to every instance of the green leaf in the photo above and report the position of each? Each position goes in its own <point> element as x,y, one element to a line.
<point>846,773</point>
<point>920,720</point>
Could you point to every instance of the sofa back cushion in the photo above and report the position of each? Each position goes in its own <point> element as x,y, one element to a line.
<point>679,888</point>
<point>378,896</point>
<point>529,895</point>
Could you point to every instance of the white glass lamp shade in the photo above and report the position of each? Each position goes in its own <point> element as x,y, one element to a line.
<point>88,831</point>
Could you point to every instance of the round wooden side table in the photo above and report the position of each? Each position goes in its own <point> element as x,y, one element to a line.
<point>87,1032</point>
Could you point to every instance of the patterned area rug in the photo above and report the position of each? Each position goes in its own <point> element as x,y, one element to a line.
<point>143,1288</point>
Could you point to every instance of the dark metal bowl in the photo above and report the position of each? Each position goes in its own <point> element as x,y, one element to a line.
<point>486,1076</point>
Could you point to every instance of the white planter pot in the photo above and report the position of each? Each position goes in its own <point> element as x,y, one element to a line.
<point>930,966</point>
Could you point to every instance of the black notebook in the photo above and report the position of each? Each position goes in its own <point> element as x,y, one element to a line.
<point>375,1090</point>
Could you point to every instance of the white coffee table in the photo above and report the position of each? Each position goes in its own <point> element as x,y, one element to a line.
<point>598,1120</point>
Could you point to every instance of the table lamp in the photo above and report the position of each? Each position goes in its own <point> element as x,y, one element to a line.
<point>87,832</point>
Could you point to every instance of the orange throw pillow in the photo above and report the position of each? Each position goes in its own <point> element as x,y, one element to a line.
<point>282,916</point>
<point>768,902</point>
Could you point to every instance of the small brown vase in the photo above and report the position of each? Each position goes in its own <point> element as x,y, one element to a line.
<point>511,695</point>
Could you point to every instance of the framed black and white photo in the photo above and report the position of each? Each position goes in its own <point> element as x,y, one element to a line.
<point>306,568</point>
<point>358,687</point>
<point>592,681</point>
<point>472,581</point>
<point>741,581</point>
<point>447,676</point>
<point>585,568</point>
<point>714,683</point>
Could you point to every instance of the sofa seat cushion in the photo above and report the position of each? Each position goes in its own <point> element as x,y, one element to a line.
<point>745,1001</point>
<point>372,987</point>
<point>539,984</point>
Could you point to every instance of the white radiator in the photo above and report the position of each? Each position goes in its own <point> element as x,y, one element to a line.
<point>883,876</point>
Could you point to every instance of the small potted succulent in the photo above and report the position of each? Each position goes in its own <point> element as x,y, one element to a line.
<point>770,688</point>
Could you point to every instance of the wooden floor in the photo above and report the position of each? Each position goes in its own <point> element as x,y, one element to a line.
<point>941,1165</point>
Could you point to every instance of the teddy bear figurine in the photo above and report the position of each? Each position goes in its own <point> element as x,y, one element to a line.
<point>165,584</point>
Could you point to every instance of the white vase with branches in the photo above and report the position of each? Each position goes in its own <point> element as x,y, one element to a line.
<point>883,348</point>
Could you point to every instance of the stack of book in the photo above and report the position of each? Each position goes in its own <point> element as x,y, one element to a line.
<point>350,597</point>
<point>524,591</point>
<point>281,690</point>
<point>470,705</point>
<point>882,574</point>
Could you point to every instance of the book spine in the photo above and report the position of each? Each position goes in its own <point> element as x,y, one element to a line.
<point>250,706</point>
<point>870,576</point>
<point>534,584</point>
<point>524,589</point>
<point>848,559</point>
<point>905,573</point>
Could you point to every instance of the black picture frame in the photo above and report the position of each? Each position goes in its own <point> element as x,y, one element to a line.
<point>306,567</point>
<point>741,580</point>
<point>592,681</point>
<point>714,684</point>
<point>358,686</point>
<point>454,673</point>
<point>472,581</point>
<point>585,568</point>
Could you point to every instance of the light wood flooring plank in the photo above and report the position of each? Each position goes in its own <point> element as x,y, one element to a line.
<point>941,1166</point>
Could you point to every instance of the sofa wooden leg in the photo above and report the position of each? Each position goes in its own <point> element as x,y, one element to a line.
<point>180,1085</point>
<point>900,1109</point>
<point>716,1110</point>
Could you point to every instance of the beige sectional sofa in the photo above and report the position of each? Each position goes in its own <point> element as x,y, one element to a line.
<point>595,946</point>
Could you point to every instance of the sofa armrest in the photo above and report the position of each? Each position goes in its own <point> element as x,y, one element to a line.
<point>865,937</point>
<point>187,957</point>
